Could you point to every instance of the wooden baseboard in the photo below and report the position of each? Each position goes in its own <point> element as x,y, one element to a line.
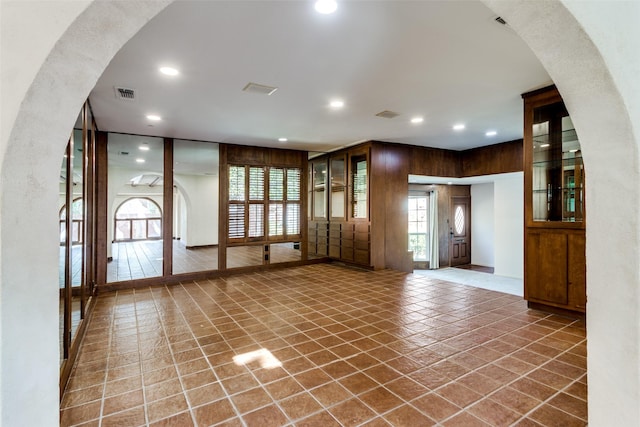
<point>556,310</point>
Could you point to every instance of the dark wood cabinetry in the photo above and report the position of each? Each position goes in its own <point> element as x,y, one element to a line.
<point>555,266</point>
<point>339,225</point>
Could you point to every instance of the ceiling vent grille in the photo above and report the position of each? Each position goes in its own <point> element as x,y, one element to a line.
<point>259,89</point>
<point>386,114</point>
<point>125,93</point>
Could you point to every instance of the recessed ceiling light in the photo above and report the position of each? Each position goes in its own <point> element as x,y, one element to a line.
<point>573,151</point>
<point>326,6</point>
<point>154,117</point>
<point>491,133</point>
<point>544,145</point>
<point>169,71</point>
<point>282,139</point>
<point>144,147</point>
<point>449,183</point>
<point>139,160</point>
<point>459,126</point>
<point>417,120</point>
<point>336,103</point>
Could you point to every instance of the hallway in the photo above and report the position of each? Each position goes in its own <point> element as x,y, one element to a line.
<point>355,348</point>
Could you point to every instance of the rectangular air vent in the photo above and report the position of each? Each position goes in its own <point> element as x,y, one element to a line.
<point>125,93</point>
<point>386,114</point>
<point>259,89</point>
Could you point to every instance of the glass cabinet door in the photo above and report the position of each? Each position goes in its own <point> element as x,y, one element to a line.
<point>338,188</point>
<point>319,189</point>
<point>359,189</point>
<point>558,171</point>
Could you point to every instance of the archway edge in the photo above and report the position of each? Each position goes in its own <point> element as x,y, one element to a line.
<point>30,162</point>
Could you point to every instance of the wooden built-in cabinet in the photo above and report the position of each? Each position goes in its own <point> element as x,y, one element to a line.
<point>339,225</point>
<point>555,266</point>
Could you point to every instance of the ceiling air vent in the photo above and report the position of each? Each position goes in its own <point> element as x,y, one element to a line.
<point>259,89</point>
<point>125,93</point>
<point>386,114</point>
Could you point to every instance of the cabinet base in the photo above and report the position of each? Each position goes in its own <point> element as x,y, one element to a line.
<point>556,310</point>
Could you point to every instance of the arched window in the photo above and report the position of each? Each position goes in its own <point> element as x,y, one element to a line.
<point>138,219</point>
<point>77,219</point>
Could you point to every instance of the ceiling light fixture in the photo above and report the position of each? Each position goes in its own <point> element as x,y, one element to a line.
<point>459,126</point>
<point>144,147</point>
<point>336,103</point>
<point>416,120</point>
<point>326,6</point>
<point>491,133</point>
<point>154,117</point>
<point>544,145</point>
<point>573,151</point>
<point>139,160</point>
<point>169,71</point>
<point>282,139</point>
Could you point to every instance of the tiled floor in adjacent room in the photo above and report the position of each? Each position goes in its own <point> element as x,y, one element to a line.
<point>356,348</point>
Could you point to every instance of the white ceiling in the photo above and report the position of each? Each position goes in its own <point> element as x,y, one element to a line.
<point>448,61</point>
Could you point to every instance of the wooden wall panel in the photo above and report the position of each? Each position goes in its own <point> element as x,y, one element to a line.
<point>247,155</point>
<point>492,159</point>
<point>434,162</point>
<point>390,165</point>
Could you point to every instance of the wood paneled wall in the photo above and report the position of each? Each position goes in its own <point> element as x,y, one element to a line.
<point>390,165</point>
<point>492,159</point>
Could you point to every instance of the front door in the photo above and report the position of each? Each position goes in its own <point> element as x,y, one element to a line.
<point>460,231</point>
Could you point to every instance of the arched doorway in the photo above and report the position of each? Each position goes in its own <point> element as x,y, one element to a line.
<point>596,90</point>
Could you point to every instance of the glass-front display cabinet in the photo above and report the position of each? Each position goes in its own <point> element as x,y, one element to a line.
<point>555,207</point>
<point>557,167</point>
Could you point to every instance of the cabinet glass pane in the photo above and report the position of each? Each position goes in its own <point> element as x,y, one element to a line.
<point>319,189</point>
<point>338,193</point>
<point>359,186</point>
<point>558,170</point>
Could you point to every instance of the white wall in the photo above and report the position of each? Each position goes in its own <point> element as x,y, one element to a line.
<point>482,224</point>
<point>200,195</point>
<point>51,56</point>
<point>509,226</point>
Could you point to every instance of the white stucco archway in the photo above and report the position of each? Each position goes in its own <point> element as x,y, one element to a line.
<point>46,78</point>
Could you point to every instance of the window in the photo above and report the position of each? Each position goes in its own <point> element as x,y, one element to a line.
<point>138,219</point>
<point>77,221</point>
<point>419,227</point>
<point>280,193</point>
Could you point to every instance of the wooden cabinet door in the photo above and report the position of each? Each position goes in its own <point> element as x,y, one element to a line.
<point>546,264</point>
<point>577,271</point>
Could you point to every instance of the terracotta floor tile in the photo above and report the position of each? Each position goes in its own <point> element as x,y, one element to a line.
<point>322,419</point>
<point>381,400</point>
<point>179,420</point>
<point>549,416</point>
<point>213,413</point>
<point>493,413</point>
<point>406,388</point>
<point>435,406</point>
<point>459,394</point>
<point>352,412</point>
<point>465,419</point>
<point>166,407</point>
<point>206,394</point>
<point>330,394</point>
<point>270,416</point>
<point>132,417</point>
<point>80,414</point>
<point>122,402</point>
<point>572,405</point>
<point>407,416</point>
<point>300,406</point>
<point>444,352</point>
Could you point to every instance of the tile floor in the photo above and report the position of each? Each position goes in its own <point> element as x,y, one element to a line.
<point>325,345</point>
